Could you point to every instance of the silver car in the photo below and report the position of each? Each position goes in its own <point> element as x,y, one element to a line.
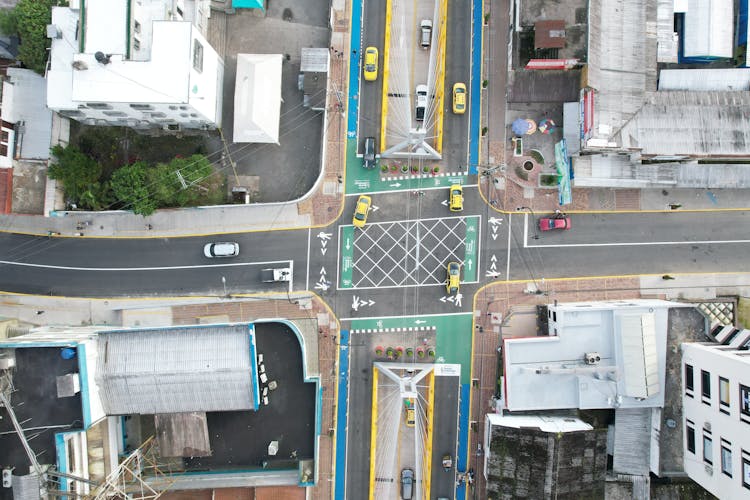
<point>221,249</point>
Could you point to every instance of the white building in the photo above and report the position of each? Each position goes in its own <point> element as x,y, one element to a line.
<point>142,64</point>
<point>598,355</point>
<point>716,412</point>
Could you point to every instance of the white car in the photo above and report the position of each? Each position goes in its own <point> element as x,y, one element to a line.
<point>221,249</point>
<point>421,101</point>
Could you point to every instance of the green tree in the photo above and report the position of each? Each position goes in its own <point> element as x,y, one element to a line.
<point>130,185</point>
<point>8,22</point>
<point>78,174</point>
<point>33,16</point>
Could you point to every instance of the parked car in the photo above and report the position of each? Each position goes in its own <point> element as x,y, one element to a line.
<point>421,104</point>
<point>459,98</point>
<point>456,198</point>
<point>371,64</point>
<point>425,33</point>
<point>553,223</point>
<point>368,158</point>
<point>453,279</point>
<point>407,484</point>
<point>361,210</point>
<point>221,249</point>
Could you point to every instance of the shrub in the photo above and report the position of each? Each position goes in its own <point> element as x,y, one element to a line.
<point>78,173</point>
<point>425,169</point>
<point>431,352</point>
<point>404,168</point>
<point>435,170</point>
<point>379,351</point>
<point>384,168</point>
<point>33,16</point>
<point>409,352</point>
<point>420,352</point>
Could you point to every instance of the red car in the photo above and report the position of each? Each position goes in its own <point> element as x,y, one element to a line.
<point>551,223</point>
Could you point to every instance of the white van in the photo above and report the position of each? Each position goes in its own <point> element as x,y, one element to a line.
<point>421,103</point>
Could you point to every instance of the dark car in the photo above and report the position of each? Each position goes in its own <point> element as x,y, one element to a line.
<point>556,222</point>
<point>368,158</point>
<point>407,484</point>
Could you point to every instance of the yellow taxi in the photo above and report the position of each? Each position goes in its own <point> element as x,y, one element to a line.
<point>371,64</point>
<point>360,213</point>
<point>453,280</point>
<point>410,413</point>
<point>456,198</point>
<point>459,98</point>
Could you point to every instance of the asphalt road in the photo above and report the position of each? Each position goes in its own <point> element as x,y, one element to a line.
<point>445,435</point>
<point>457,69</point>
<point>597,245</point>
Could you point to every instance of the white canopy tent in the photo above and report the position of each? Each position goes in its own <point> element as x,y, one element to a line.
<point>257,98</point>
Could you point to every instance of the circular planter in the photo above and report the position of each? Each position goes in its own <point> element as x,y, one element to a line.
<point>528,165</point>
<point>379,351</point>
<point>420,352</point>
<point>431,352</point>
<point>404,169</point>
<point>409,352</point>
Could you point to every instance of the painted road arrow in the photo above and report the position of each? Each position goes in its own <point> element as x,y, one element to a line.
<point>420,321</point>
<point>395,184</point>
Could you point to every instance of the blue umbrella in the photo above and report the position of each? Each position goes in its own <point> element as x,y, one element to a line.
<point>520,126</point>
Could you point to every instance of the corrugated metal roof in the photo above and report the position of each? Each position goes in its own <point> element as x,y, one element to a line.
<point>709,28</point>
<point>640,361</point>
<point>621,61</point>
<point>549,34</point>
<point>667,39</point>
<point>175,370</point>
<point>632,441</point>
<point>690,123</point>
<point>719,79</point>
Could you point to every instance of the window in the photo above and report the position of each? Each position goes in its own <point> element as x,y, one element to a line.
<point>136,44</point>
<point>158,114</point>
<point>98,105</point>
<point>173,108</point>
<point>141,107</point>
<point>708,449</point>
<point>114,113</point>
<point>745,403</point>
<point>689,380</point>
<point>71,113</point>
<point>136,26</point>
<point>706,386</point>
<point>726,458</point>
<point>197,56</point>
<point>4,136</point>
<point>723,395</point>
<point>690,438</point>
<point>746,471</point>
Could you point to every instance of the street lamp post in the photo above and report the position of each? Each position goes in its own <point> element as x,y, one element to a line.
<point>224,282</point>
<point>533,219</point>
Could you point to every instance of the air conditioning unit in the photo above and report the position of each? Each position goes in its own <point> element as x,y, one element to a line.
<point>7,363</point>
<point>709,470</point>
<point>7,478</point>
<point>707,426</point>
<point>592,358</point>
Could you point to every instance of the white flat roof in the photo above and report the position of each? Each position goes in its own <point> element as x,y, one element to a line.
<point>550,372</point>
<point>24,97</point>
<point>257,98</point>
<point>709,28</point>
<point>544,423</point>
<point>106,28</point>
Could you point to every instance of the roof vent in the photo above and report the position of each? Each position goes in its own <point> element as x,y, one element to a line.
<point>592,358</point>
<point>53,31</point>
<point>102,58</point>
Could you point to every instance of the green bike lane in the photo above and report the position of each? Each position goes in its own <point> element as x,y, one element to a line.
<point>359,180</point>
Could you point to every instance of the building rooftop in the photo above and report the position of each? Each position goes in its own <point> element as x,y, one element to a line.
<point>598,355</point>
<point>549,34</point>
<point>176,370</point>
<point>37,405</point>
<point>24,96</point>
<point>163,74</point>
<point>532,463</point>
